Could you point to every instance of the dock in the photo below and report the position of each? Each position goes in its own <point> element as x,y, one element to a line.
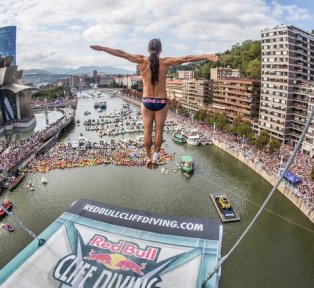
<point>226,215</point>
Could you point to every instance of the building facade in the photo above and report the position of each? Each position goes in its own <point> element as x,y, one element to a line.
<point>237,97</point>
<point>225,72</point>
<point>174,90</point>
<point>305,94</point>
<point>196,94</point>
<point>15,98</point>
<point>8,42</point>
<point>287,64</point>
<point>186,75</point>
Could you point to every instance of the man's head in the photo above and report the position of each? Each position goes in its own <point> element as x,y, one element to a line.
<point>154,45</point>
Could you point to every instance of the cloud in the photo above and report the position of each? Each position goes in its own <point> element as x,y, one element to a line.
<point>59,32</point>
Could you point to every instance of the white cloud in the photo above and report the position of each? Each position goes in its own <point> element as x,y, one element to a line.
<point>59,32</point>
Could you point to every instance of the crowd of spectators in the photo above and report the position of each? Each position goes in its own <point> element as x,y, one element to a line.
<point>272,163</point>
<point>18,151</point>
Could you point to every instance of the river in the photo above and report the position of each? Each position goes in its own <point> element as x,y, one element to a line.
<point>277,252</point>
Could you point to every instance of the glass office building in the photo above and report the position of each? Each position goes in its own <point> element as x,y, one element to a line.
<point>8,42</point>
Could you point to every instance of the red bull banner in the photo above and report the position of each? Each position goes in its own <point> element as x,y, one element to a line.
<point>98,245</point>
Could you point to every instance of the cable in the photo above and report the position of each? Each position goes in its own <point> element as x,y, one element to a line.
<point>296,148</point>
<point>40,240</point>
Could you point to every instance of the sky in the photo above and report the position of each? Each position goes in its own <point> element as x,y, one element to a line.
<point>58,33</point>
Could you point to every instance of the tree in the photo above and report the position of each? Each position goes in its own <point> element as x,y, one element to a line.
<point>274,145</point>
<point>312,172</point>
<point>262,139</point>
<point>254,69</point>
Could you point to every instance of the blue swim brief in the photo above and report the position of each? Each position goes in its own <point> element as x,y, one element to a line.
<point>154,104</point>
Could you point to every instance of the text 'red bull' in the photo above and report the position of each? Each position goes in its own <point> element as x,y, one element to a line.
<point>125,248</point>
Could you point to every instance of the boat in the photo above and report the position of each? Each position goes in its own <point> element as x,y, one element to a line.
<point>30,186</point>
<point>194,140</point>
<point>177,137</point>
<point>224,208</point>
<point>103,105</point>
<point>7,227</point>
<point>96,105</point>
<point>7,204</point>
<point>16,181</point>
<point>87,112</point>
<point>44,180</point>
<point>187,164</point>
<point>164,171</point>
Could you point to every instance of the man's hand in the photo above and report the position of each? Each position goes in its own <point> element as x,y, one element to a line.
<point>97,47</point>
<point>212,57</point>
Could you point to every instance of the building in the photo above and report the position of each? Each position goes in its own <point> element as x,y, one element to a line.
<point>15,98</point>
<point>305,95</point>
<point>8,42</point>
<point>74,81</point>
<point>287,65</point>
<point>129,81</point>
<point>186,75</point>
<point>174,89</point>
<point>237,96</point>
<point>196,94</point>
<point>225,72</point>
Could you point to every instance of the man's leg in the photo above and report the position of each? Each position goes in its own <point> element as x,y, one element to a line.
<point>148,117</point>
<point>160,119</point>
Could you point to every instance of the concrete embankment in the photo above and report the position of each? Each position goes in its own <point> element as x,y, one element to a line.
<point>297,201</point>
<point>306,209</point>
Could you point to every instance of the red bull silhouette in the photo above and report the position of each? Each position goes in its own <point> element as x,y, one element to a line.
<point>128,264</point>
<point>100,258</point>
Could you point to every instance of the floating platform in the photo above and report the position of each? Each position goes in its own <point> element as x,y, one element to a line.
<point>97,245</point>
<point>226,215</point>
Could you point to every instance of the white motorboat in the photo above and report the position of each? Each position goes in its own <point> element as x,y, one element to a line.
<point>194,140</point>
<point>44,180</point>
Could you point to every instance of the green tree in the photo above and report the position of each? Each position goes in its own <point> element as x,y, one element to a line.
<point>262,139</point>
<point>274,145</point>
<point>254,69</point>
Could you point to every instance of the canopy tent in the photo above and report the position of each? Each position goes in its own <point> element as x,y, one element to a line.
<point>294,179</point>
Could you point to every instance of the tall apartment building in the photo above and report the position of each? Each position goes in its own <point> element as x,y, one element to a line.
<point>305,103</point>
<point>196,94</point>
<point>8,42</point>
<point>237,96</point>
<point>287,64</point>
<point>174,89</point>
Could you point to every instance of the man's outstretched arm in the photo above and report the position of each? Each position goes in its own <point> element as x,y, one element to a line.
<point>119,53</point>
<point>173,61</point>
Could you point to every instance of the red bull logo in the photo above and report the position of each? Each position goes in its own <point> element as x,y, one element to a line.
<point>125,248</point>
<point>115,262</point>
<point>99,258</point>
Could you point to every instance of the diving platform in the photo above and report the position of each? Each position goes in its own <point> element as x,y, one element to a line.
<point>95,244</point>
<point>225,210</point>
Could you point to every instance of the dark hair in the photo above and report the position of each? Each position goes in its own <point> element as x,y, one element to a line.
<point>154,47</point>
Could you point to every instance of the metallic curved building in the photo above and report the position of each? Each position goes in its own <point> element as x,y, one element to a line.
<point>8,42</point>
<point>15,98</point>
